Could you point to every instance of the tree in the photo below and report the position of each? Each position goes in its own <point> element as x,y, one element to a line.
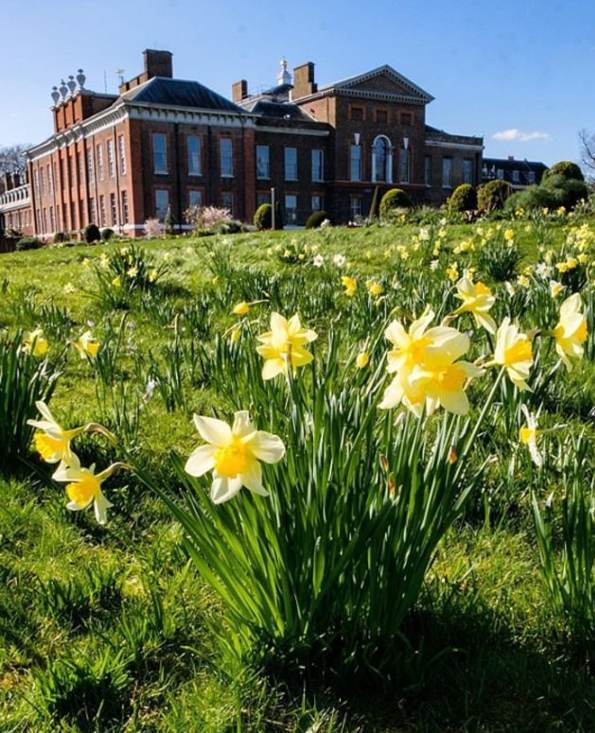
<point>587,140</point>
<point>12,159</point>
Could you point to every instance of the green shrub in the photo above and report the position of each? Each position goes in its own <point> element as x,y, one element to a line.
<point>28,243</point>
<point>565,192</point>
<point>499,260</point>
<point>263,217</point>
<point>59,237</point>
<point>565,168</point>
<point>533,197</point>
<point>107,234</point>
<point>91,233</point>
<point>492,196</point>
<point>315,219</point>
<point>463,198</point>
<point>395,198</point>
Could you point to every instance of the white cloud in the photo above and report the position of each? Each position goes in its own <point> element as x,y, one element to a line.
<point>518,136</point>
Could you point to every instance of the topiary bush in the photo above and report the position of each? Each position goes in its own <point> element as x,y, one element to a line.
<point>263,217</point>
<point>107,234</point>
<point>59,238</point>
<point>565,168</point>
<point>316,218</point>
<point>395,198</point>
<point>25,243</point>
<point>565,192</point>
<point>91,233</point>
<point>492,196</point>
<point>463,198</point>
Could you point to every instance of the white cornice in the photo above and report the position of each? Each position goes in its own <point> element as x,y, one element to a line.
<point>189,115</point>
<point>293,131</point>
<point>446,144</point>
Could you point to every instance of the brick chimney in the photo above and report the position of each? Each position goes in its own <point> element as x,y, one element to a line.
<point>239,90</point>
<point>158,63</point>
<point>303,81</point>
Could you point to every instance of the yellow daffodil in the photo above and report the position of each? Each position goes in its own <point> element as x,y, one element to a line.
<point>235,334</point>
<point>83,487</point>
<point>132,272</point>
<point>477,299</point>
<point>571,330</point>
<point>362,360</point>
<point>117,282</point>
<point>523,281</point>
<point>555,288</point>
<point>51,440</point>
<point>582,258</point>
<point>36,344</point>
<point>426,369</point>
<point>528,436</point>
<point>153,275</point>
<point>509,235</point>
<point>233,454</point>
<point>452,272</point>
<point>284,345</point>
<point>374,288</point>
<point>87,345</point>
<point>514,353</point>
<point>350,285</point>
<point>241,309</point>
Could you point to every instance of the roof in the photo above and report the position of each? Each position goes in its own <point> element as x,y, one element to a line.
<point>179,93</point>
<point>514,163</point>
<point>433,133</point>
<point>278,110</point>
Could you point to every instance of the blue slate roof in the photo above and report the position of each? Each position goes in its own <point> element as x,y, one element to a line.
<point>180,93</point>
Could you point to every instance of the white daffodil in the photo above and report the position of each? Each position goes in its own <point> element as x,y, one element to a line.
<point>51,440</point>
<point>233,454</point>
<point>528,436</point>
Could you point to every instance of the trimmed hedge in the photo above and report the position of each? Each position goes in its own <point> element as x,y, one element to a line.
<point>25,243</point>
<point>395,198</point>
<point>566,169</point>
<point>263,217</point>
<point>492,196</point>
<point>463,198</point>
<point>91,233</point>
<point>107,234</point>
<point>315,219</point>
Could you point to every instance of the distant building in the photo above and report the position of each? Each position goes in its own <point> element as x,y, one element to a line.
<point>164,143</point>
<point>519,173</point>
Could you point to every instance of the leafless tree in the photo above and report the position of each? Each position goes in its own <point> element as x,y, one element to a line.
<point>587,140</point>
<point>12,158</point>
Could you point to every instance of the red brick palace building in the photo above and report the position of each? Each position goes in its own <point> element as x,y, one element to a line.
<point>118,160</point>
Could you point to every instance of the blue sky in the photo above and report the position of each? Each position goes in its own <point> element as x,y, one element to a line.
<point>518,70</point>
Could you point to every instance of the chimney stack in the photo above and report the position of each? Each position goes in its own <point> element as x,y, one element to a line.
<point>239,90</point>
<point>158,63</point>
<point>303,81</point>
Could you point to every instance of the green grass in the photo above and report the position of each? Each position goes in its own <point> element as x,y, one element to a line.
<point>107,629</point>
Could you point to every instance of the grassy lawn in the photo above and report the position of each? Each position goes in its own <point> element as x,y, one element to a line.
<point>111,627</point>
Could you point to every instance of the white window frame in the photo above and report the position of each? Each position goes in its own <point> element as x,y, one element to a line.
<point>158,208</point>
<point>294,209</point>
<point>317,157</point>
<point>266,174</point>
<point>389,161</point>
<point>194,156</point>
<point>352,148</point>
<point>195,192</point>
<point>160,162</point>
<point>316,199</point>
<point>111,159</point>
<point>446,167</point>
<point>290,167</point>
<point>226,157</point>
<point>122,155</point>
<point>468,167</point>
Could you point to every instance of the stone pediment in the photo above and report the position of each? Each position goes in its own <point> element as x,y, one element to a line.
<point>383,82</point>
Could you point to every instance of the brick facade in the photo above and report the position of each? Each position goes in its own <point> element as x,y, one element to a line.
<point>118,160</point>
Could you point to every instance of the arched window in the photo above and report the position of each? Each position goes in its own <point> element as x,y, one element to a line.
<point>404,165</point>
<point>382,160</point>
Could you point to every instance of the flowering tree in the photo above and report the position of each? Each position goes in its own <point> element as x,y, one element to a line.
<point>206,217</point>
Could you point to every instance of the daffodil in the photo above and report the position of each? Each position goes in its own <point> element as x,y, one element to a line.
<point>571,331</point>
<point>523,281</point>
<point>555,288</point>
<point>350,285</point>
<point>362,360</point>
<point>284,345</point>
<point>374,288</point>
<point>452,272</point>
<point>36,344</point>
<point>528,436</point>
<point>233,454</point>
<point>477,299</point>
<point>87,345</point>
<point>509,235</point>
<point>83,486</point>
<point>241,309</point>
<point>444,381</point>
<point>514,353</point>
<point>51,440</point>
<point>117,282</point>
